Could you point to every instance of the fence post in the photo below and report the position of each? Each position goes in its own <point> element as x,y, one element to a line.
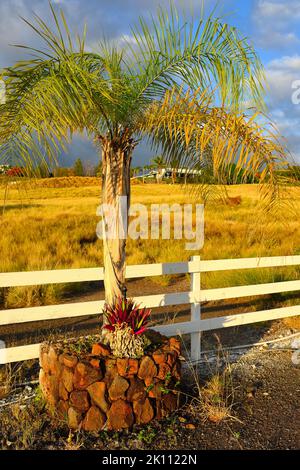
<point>196,311</point>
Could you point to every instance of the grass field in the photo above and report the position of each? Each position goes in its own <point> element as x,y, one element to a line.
<point>52,225</point>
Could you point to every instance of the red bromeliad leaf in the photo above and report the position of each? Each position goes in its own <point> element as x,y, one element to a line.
<point>126,312</point>
<point>109,327</point>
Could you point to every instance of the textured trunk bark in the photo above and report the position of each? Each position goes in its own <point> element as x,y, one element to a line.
<point>116,156</point>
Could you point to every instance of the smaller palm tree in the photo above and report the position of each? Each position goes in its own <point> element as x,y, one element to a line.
<point>159,164</point>
<point>136,171</point>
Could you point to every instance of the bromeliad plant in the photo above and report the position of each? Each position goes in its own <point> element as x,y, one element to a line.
<point>125,312</point>
<point>126,325</point>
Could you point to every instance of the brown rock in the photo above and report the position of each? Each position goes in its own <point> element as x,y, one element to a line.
<point>54,365</point>
<point>155,337</point>
<point>41,351</point>
<point>44,363</point>
<point>120,415</point>
<point>149,381</point>
<point>85,375</point>
<point>176,371</point>
<point>99,349</point>
<point>143,411</point>
<point>74,418</point>
<point>175,345</point>
<point>133,366</point>
<point>127,367</point>
<point>154,388</point>
<point>62,391</point>
<point>118,388</point>
<point>190,426</point>
<point>159,356</point>
<point>147,368</point>
<point>67,378</point>
<point>49,387</point>
<point>169,403</point>
<point>136,390</point>
<point>97,393</point>
<point>164,371</point>
<point>111,370</point>
<point>79,399</point>
<point>172,357</point>
<point>68,360</point>
<point>62,409</point>
<point>95,363</point>
<point>94,420</point>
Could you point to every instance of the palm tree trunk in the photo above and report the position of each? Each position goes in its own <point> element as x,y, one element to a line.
<point>116,157</point>
<point>173,176</point>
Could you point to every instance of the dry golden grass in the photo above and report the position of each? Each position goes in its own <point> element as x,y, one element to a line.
<point>216,414</point>
<point>9,377</point>
<point>47,227</point>
<point>216,399</point>
<point>59,182</point>
<point>292,322</point>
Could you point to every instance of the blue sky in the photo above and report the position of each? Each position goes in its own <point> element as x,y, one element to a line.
<point>273,26</point>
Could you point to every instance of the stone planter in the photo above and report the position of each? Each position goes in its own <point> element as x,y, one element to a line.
<point>93,390</point>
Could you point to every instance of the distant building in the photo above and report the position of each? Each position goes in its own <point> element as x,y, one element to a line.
<point>169,172</point>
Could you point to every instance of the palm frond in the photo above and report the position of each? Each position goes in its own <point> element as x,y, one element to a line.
<point>205,52</point>
<point>187,124</point>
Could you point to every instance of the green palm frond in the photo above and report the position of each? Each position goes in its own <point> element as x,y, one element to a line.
<point>187,124</point>
<point>205,52</point>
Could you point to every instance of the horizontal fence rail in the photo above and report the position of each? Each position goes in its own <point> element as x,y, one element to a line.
<point>79,309</point>
<point>59,276</point>
<point>194,297</point>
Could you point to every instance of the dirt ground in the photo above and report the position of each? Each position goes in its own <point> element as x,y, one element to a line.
<point>264,414</point>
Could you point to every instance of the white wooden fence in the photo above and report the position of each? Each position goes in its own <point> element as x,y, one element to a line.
<point>194,297</point>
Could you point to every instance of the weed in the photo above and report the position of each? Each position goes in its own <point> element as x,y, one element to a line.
<point>147,435</point>
<point>149,388</point>
<point>39,399</point>
<point>214,399</point>
<point>74,441</point>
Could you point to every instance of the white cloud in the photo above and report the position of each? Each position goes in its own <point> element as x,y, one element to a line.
<point>291,63</point>
<point>278,9</point>
<point>280,74</point>
<point>277,22</point>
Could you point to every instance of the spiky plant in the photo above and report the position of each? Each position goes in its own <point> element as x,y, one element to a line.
<point>126,323</point>
<point>126,312</point>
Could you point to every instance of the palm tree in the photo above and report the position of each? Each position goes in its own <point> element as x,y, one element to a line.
<point>158,163</point>
<point>179,83</point>
<point>136,171</point>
